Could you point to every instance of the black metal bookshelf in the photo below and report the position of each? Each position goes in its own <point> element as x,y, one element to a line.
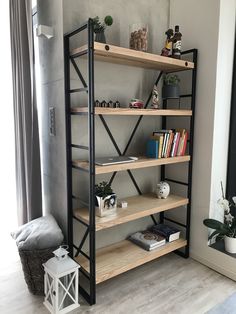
<point>90,227</point>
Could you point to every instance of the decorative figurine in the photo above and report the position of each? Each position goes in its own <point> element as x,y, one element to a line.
<point>155,98</point>
<point>176,39</point>
<point>110,104</point>
<point>136,103</point>
<point>117,104</point>
<point>103,103</point>
<point>97,103</point>
<point>163,189</point>
<point>166,51</point>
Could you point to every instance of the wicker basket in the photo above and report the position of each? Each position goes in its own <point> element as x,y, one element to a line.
<point>32,261</point>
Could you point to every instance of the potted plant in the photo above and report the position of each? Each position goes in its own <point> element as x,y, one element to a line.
<point>106,199</point>
<point>225,230</point>
<point>170,87</point>
<point>99,27</point>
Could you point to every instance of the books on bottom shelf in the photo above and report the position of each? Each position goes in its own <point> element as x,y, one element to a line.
<point>167,143</point>
<point>156,237</point>
<point>147,240</point>
<point>169,233</point>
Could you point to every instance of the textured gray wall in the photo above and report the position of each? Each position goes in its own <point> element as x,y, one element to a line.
<point>112,82</point>
<point>52,75</point>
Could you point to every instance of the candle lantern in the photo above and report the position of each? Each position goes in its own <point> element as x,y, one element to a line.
<point>61,280</point>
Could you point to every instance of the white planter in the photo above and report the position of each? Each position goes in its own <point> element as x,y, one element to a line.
<point>106,206</point>
<point>230,244</point>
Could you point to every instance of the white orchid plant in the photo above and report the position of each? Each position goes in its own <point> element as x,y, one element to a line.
<point>228,227</point>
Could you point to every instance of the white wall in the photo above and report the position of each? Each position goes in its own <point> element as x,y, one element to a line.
<point>209,26</point>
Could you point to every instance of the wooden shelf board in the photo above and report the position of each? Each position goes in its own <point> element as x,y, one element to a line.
<point>131,57</point>
<point>120,257</point>
<point>139,206</point>
<point>142,162</point>
<point>133,112</point>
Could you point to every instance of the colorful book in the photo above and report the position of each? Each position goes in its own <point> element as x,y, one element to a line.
<point>181,141</point>
<point>152,148</point>
<point>170,144</point>
<point>185,144</point>
<point>176,144</point>
<point>159,138</point>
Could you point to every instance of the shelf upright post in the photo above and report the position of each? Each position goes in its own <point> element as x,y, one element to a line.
<point>163,168</point>
<point>92,248</point>
<point>68,144</point>
<point>190,165</point>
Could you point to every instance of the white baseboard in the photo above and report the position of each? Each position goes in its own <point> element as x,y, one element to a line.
<point>219,269</point>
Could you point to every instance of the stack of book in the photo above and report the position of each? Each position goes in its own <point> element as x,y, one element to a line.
<point>147,240</point>
<point>167,143</point>
<point>170,233</point>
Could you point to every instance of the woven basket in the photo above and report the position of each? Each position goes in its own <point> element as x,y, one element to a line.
<point>33,269</point>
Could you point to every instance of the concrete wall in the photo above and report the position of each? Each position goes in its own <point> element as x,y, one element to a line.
<point>210,29</point>
<point>112,82</point>
<point>51,60</point>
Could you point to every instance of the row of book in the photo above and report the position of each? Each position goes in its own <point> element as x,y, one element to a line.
<point>155,237</point>
<point>167,143</point>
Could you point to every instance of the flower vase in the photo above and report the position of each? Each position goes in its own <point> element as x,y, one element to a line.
<point>100,37</point>
<point>230,245</point>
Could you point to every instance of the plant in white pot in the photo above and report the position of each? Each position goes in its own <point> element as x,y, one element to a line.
<point>225,230</point>
<point>106,199</point>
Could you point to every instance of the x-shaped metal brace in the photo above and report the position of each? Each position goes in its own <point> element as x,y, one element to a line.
<point>114,142</point>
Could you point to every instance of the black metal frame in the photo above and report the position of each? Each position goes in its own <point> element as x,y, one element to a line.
<point>89,89</point>
<point>192,95</point>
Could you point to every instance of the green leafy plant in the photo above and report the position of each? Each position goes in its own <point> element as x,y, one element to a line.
<point>103,189</point>
<point>228,227</point>
<point>101,26</point>
<point>171,79</point>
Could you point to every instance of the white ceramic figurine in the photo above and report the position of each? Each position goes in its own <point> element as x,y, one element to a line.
<point>163,189</point>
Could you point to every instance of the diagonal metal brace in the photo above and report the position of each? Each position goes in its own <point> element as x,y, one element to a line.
<point>82,242</point>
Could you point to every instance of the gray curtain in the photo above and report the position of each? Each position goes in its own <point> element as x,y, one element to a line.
<point>28,173</point>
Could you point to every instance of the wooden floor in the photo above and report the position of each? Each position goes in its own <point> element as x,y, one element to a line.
<point>169,285</point>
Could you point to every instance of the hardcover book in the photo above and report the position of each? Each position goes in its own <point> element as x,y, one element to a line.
<point>168,232</point>
<point>147,239</point>
<point>152,148</point>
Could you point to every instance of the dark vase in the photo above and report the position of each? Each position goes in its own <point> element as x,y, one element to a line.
<point>100,37</point>
<point>170,91</point>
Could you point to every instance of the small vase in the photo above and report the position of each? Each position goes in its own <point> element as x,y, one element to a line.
<point>100,37</point>
<point>230,245</point>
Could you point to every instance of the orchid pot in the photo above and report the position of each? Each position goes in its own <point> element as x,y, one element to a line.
<point>225,229</point>
<point>230,245</point>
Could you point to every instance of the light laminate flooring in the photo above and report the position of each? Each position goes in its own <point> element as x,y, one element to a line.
<point>170,285</point>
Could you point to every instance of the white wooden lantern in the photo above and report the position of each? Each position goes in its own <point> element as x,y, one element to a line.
<point>61,281</point>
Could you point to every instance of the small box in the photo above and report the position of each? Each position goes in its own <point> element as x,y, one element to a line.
<point>122,204</point>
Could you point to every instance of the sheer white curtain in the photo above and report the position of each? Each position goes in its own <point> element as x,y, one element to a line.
<point>28,176</point>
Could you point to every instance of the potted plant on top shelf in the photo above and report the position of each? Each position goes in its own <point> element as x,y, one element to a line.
<point>170,87</point>
<point>227,229</point>
<point>106,199</point>
<point>99,28</point>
